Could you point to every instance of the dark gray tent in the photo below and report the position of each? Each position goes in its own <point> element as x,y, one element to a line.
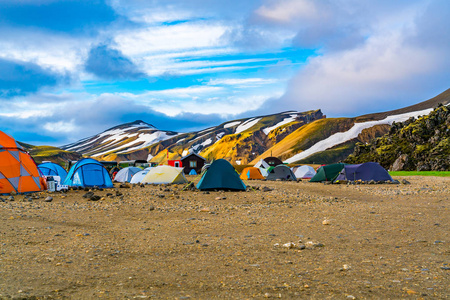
<point>281,172</point>
<point>364,172</point>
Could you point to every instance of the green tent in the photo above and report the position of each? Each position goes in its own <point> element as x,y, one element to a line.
<point>221,176</point>
<point>327,173</point>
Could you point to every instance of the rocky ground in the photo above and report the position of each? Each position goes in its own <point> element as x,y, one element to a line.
<point>278,240</point>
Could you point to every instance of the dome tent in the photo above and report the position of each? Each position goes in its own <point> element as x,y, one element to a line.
<point>222,176</point>
<point>281,172</point>
<point>304,172</point>
<point>251,173</point>
<point>52,169</point>
<point>328,172</point>
<point>365,172</point>
<point>137,178</point>
<point>18,171</point>
<point>126,174</point>
<point>165,174</point>
<point>87,173</point>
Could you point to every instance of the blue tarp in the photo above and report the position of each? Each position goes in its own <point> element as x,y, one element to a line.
<point>52,169</point>
<point>364,172</point>
<point>87,173</point>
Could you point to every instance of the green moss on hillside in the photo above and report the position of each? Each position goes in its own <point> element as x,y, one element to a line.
<point>418,144</point>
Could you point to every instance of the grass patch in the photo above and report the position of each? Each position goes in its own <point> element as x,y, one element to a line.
<point>421,173</point>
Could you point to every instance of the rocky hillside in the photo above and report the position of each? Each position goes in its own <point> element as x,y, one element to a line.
<point>421,144</point>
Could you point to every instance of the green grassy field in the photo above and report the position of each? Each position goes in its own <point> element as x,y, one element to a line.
<point>421,173</point>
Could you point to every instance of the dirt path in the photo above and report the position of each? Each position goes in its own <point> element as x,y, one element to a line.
<point>379,241</point>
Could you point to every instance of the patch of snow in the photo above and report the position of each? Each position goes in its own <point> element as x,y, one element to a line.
<point>147,139</point>
<point>185,152</point>
<point>341,137</point>
<point>231,124</point>
<point>246,125</point>
<point>207,142</point>
<point>267,130</point>
<point>149,157</point>
<point>290,112</point>
<point>180,140</point>
<point>207,129</point>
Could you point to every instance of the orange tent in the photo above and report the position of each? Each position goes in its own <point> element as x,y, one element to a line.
<point>251,173</point>
<point>18,171</point>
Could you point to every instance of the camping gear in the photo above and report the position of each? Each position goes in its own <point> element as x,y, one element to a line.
<point>221,176</point>
<point>137,178</point>
<point>264,172</point>
<point>364,172</point>
<point>328,172</point>
<point>165,174</point>
<point>193,172</point>
<point>126,174</point>
<point>18,171</point>
<point>281,172</point>
<point>251,173</point>
<point>304,172</point>
<point>88,173</point>
<point>52,169</point>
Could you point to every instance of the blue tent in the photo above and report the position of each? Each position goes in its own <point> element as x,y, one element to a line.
<point>364,172</point>
<point>88,172</point>
<point>52,169</point>
<point>222,176</point>
<point>192,172</point>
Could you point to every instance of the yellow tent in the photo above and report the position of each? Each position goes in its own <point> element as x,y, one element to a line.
<point>165,174</point>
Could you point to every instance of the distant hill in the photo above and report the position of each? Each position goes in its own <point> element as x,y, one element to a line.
<point>421,144</point>
<point>49,153</point>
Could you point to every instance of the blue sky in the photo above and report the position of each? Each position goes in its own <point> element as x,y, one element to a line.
<point>70,69</point>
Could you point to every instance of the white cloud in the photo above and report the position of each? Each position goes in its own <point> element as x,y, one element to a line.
<point>61,126</point>
<point>286,11</point>
<point>179,37</point>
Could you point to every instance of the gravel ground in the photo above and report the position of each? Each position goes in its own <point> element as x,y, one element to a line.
<point>277,240</point>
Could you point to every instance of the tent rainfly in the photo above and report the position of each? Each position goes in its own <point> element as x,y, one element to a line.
<point>137,178</point>
<point>251,173</point>
<point>221,176</point>
<point>364,172</point>
<point>327,173</point>
<point>281,172</point>
<point>126,174</point>
<point>304,172</point>
<point>88,173</point>
<point>18,171</point>
<point>165,174</point>
<point>52,169</point>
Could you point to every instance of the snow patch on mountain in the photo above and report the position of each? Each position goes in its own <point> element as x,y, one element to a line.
<point>267,130</point>
<point>247,124</point>
<point>231,124</point>
<point>341,137</point>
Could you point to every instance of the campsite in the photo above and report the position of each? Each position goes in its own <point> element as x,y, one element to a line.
<point>277,239</point>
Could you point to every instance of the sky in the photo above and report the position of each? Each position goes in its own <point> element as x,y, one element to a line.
<point>70,69</point>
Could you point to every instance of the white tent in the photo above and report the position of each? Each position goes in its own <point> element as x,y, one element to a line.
<point>165,174</point>
<point>262,164</point>
<point>125,174</point>
<point>264,172</point>
<point>304,171</point>
<point>137,178</point>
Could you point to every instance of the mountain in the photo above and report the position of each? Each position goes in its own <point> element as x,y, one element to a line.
<point>295,137</point>
<point>421,144</point>
<point>333,139</point>
<point>237,140</point>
